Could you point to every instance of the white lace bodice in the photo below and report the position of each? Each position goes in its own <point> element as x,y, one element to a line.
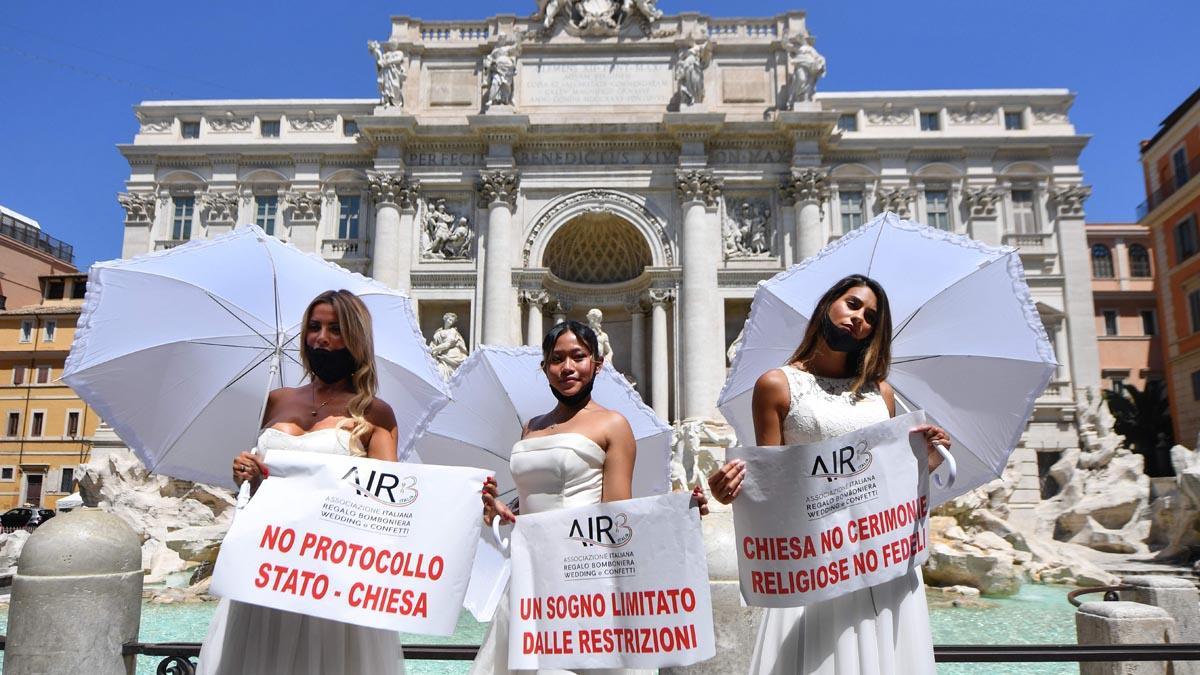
<point>334,441</point>
<point>824,407</point>
<point>557,471</point>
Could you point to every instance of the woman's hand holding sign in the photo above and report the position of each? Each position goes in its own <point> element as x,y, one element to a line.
<point>492,506</point>
<point>934,436</point>
<point>247,466</point>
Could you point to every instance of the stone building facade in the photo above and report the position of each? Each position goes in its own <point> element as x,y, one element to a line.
<point>516,171</point>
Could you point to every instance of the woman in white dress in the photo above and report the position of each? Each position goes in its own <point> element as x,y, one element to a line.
<point>834,384</point>
<point>577,454</point>
<point>336,412</point>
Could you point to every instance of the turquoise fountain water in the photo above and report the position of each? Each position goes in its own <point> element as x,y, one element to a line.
<point>1036,615</point>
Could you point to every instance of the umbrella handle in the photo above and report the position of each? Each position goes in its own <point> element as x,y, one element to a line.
<point>951,468</point>
<point>243,497</point>
<point>502,542</point>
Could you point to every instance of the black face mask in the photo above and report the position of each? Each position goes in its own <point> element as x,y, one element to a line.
<point>839,340</point>
<point>576,400</point>
<point>330,365</point>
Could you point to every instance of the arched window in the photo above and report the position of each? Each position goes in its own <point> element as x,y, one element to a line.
<point>1139,261</point>
<point>1102,264</point>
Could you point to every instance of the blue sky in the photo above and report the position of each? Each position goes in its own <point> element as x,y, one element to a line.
<point>71,71</point>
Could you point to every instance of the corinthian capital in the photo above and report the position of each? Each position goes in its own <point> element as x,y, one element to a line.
<point>981,201</point>
<point>221,207</point>
<point>806,185</point>
<point>393,188</point>
<point>305,206</point>
<point>1069,199</point>
<point>699,185</point>
<point>498,185</point>
<point>139,207</point>
<point>535,296</point>
<point>660,296</point>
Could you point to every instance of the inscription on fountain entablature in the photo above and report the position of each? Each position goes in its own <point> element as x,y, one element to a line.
<point>595,156</point>
<point>750,155</point>
<point>443,157</point>
<point>596,83</point>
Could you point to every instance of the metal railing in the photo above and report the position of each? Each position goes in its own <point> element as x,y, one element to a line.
<point>35,238</point>
<point>178,655</point>
<point>1156,198</point>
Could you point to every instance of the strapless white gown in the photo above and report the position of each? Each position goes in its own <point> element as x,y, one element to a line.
<point>883,630</point>
<point>246,639</point>
<point>551,472</point>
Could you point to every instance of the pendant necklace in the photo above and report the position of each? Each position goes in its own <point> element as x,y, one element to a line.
<point>316,407</point>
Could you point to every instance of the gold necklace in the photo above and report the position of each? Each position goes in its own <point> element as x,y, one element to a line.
<point>316,407</point>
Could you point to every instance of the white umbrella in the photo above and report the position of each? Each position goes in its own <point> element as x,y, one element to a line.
<point>498,389</point>
<point>177,349</point>
<point>968,345</point>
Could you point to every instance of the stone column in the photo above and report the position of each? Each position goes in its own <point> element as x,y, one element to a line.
<point>701,339</point>
<point>1123,623</point>
<point>1075,260</point>
<point>982,216</point>
<point>637,356</point>
<point>807,189</point>
<point>395,198</point>
<point>139,222</point>
<point>76,597</point>
<point>659,358</point>
<point>498,193</point>
<point>534,299</point>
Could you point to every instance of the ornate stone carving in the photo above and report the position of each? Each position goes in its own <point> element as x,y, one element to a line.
<point>1069,199</point>
<point>748,229</point>
<point>1050,115</point>
<point>661,296</point>
<point>390,73</point>
<point>537,297</point>
<point>229,123</point>
<point>393,188</point>
<point>139,207</point>
<point>889,116</point>
<point>305,206</point>
<point>690,63</point>
<point>500,72</point>
<point>596,17</point>
<point>973,114</point>
<point>312,122</point>
<point>156,125</point>
<point>807,67</point>
<point>447,346</point>
<point>445,235</point>
<point>599,201</point>
<point>804,185</point>
<point>498,185</point>
<point>981,201</point>
<point>895,199</point>
<point>222,207</point>
<point>735,346</point>
<point>595,319</point>
<point>699,185</point>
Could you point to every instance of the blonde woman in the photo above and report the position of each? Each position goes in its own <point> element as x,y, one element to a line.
<point>336,413</point>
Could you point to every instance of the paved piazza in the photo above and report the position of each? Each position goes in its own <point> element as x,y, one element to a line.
<point>514,171</point>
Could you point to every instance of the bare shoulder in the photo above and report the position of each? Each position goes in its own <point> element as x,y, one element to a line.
<point>772,386</point>
<point>889,397</point>
<point>614,423</point>
<point>380,414</point>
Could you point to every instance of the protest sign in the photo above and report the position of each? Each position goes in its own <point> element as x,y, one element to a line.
<point>818,521</point>
<point>357,540</point>
<point>615,585</point>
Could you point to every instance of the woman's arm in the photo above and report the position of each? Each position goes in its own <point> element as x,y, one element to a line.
<point>382,444</point>
<point>772,398</point>
<point>619,457</point>
<point>934,435</point>
<point>889,397</point>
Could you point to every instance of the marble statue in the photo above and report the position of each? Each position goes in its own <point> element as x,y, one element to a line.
<point>735,346</point>
<point>389,74</point>
<point>594,318</point>
<point>691,463</point>
<point>500,72</point>
<point>444,235</point>
<point>595,17</point>
<point>748,230</point>
<point>448,348</point>
<point>808,66</point>
<point>689,73</point>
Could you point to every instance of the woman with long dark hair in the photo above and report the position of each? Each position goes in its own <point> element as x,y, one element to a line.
<point>833,384</point>
<point>336,412</point>
<point>578,453</point>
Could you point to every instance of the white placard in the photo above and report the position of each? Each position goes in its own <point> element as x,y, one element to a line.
<point>616,585</point>
<point>818,521</point>
<point>358,540</point>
